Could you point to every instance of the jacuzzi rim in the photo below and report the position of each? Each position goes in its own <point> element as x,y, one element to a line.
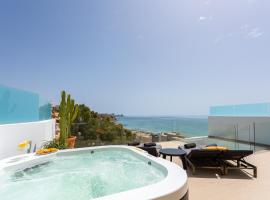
<point>173,186</point>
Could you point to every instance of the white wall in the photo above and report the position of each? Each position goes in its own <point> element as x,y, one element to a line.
<point>12,134</point>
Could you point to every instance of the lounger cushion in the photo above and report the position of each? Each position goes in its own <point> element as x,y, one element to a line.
<point>133,143</point>
<point>190,145</point>
<point>150,144</point>
<point>211,145</point>
<point>216,148</point>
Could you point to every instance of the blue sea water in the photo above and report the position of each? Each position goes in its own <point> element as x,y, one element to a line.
<point>187,126</point>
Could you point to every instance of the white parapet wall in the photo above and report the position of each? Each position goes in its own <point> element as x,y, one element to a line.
<point>12,134</point>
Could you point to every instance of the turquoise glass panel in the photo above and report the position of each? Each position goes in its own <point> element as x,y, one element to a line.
<point>45,109</point>
<point>259,109</point>
<point>22,106</point>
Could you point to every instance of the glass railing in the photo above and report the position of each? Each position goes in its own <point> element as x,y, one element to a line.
<point>259,109</point>
<point>228,135</point>
<point>250,130</point>
<point>230,144</point>
<point>18,106</point>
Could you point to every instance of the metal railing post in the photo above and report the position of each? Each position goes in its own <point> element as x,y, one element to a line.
<point>254,132</point>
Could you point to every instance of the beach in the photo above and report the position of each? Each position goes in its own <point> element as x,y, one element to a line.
<point>144,136</point>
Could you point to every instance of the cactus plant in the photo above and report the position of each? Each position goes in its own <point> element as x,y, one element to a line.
<point>73,110</point>
<point>62,120</point>
<point>68,113</point>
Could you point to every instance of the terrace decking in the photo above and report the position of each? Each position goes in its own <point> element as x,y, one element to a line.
<point>210,185</point>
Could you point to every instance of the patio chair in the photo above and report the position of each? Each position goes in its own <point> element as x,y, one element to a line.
<point>152,149</point>
<point>204,159</point>
<point>234,159</point>
<point>134,143</point>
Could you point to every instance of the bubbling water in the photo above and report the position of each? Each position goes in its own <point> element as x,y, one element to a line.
<point>81,176</point>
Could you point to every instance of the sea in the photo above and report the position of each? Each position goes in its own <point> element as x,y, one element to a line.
<point>188,126</point>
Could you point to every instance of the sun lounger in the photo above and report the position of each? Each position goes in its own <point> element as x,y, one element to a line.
<point>202,158</point>
<point>234,159</point>
<point>219,159</point>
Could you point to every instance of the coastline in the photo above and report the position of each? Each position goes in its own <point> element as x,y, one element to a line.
<point>146,136</point>
<point>181,126</point>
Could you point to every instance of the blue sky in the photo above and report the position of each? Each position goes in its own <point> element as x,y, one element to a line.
<point>138,57</point>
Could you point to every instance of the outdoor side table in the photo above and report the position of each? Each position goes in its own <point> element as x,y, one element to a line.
<point>174,152</point>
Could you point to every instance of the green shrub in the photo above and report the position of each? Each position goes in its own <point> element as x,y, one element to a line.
<point>53,144</point>
<point>108,136</point>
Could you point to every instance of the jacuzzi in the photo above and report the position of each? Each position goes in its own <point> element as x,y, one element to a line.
<point>100,173</point>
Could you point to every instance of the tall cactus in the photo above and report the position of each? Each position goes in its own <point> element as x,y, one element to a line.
<point>73,110</point>
<point>63,118</point>
<point>68,113</point>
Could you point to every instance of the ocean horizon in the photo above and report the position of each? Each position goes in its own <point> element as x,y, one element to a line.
<point>188,126</point>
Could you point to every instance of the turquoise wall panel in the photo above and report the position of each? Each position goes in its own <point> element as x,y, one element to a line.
<point>22,106</point>
<point>259,109</point>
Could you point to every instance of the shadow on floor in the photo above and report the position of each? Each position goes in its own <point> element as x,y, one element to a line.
<point>216,174</point>
<point>211,173</point>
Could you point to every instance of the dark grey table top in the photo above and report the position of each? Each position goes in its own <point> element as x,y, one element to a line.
<point>172,152</point>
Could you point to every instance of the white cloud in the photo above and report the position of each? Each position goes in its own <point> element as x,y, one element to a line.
<point>222,37</point>
<point>204,18</point>
<point>254,33</point>
<point>250,32</point>
<point>246,31</point>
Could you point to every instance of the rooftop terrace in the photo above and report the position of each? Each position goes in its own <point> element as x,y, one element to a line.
<point>208,184</point>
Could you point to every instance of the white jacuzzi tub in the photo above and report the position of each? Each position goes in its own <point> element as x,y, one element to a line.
<point>143,176</point>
